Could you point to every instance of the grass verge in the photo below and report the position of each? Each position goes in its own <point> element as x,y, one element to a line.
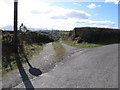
<point>80,45</point>
<point>59,49</point>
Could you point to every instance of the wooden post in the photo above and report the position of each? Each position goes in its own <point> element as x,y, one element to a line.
<point>15,26</point>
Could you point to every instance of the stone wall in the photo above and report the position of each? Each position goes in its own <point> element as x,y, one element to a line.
<point>95,35</point>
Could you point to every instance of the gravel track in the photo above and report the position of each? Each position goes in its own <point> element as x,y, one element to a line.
<point>43,61</point>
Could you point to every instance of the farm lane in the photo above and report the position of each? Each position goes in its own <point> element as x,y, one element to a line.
<point>70,50</point>
<point>92,68</point>
<point>42,61</point>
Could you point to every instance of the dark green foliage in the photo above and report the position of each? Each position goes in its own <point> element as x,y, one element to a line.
<point>34,37</point>
<point>7,49</point>
<point>24,39</point>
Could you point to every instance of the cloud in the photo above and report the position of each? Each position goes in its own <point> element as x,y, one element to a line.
<point>6,15</point>
<point>105,23</point>
<point>73,14</point>
<point>114,1</point>
<point>38,14</point>
<point>92,5</point>
<point>78,14</point>
<point>6,1</point>
<point>59,17</point>
<point>77,4</point>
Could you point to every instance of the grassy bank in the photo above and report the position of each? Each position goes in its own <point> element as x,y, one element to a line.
<point>29,51</point>
<point>29,43</point>
<point>80,45</point>
<point>59,49</point>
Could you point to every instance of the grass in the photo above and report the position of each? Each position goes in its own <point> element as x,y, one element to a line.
<point>59,49</point>
<point>33,49</point>
<point>64,32</point>
<point>80,45</point>
<point>30,50</point>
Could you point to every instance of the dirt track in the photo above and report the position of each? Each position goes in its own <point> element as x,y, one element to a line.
<point>44,61</point>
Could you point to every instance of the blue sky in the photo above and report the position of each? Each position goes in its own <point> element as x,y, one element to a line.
<point>61,15</point>
<point>102,11</point>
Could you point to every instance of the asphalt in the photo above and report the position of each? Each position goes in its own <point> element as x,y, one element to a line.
<point>92,68</point>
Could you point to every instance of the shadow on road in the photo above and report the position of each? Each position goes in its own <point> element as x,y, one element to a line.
<point>32,70</point>
<point>24,76</point>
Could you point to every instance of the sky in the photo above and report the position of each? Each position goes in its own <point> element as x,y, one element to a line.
<point>60,14</point>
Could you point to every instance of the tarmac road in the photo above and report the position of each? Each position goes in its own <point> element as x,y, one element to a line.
<point>93,68</point>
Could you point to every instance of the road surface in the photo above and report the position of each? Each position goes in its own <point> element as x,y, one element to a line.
<point>92,68</point>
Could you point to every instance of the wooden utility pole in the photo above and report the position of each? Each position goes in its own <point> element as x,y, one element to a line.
<point>15,26</point>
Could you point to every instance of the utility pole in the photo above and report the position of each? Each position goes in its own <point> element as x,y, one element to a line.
<point>15,26</point>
